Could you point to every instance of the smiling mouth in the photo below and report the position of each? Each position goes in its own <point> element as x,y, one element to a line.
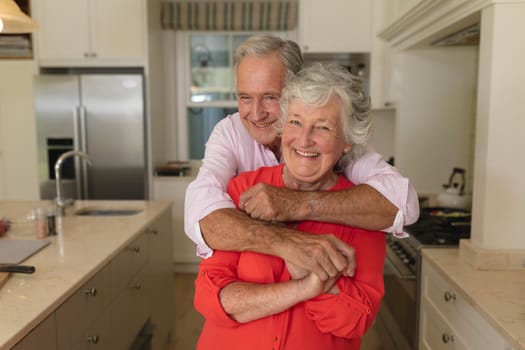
<point>307,154</point>
<point>263,125</point>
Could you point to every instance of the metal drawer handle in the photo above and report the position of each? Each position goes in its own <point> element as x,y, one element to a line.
<point>91,291</point>
<point>94,339</point>
<point>153,231</point>
<point>448,296</point>
<point>447,338</point>
<point>137,286</point>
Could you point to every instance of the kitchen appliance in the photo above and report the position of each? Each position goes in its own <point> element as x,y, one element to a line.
<point>436,227</point>
<point>102,114</point>
<point>453,195</point>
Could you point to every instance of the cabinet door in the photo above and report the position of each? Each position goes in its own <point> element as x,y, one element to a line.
<point>42,336</point>
<point>335,25</point>
<point>162,283</point>
<point>64,29</point>
<point>117,29</point>
<point>91,32</point>
<point>130,311</point>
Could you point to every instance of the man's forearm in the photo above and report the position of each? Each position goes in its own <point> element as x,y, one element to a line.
<point>360,206</point>
<point>232,230</point>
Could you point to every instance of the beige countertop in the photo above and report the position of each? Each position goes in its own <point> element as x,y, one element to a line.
<point>82,246</point>
<point>498,295</point>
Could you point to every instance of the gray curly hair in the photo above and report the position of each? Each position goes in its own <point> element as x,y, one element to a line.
<point>316,85</point>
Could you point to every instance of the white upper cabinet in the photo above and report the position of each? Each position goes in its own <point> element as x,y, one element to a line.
<point>91,32</point>
<point>335,25</point>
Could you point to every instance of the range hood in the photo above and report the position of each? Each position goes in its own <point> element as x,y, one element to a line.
<point>466,37</point>
<point>437,23</point>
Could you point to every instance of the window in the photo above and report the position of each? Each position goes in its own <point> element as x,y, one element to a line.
<point>206,74</point>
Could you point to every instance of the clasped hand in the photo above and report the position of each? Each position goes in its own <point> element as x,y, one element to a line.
<point>325,255</point>
<point>269,203</point>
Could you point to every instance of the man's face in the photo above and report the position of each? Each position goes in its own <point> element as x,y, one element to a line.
<point>259,84</point>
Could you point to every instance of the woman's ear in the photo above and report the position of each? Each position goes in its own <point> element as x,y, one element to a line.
<point>347,148</point>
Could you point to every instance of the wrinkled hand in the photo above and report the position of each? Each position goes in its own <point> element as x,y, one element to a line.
<point>269,203</point>
<point>315,286</point>
<point>295,271</point>
<point>325,255</point>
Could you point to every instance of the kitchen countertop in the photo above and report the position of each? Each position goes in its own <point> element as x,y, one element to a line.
<point>498,295</point>
<point>82,246</point>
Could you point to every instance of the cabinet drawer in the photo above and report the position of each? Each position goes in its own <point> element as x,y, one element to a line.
<point>82,308</point>
<point>130,311</point>
<point>127,264</point>
<point>459,314</point>
<point>98,336</point>
<point>436,334</point>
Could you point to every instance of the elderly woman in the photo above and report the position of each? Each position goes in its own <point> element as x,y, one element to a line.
<point>257,301</point>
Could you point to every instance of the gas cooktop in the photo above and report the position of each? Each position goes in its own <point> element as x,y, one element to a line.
<point>440,226</point>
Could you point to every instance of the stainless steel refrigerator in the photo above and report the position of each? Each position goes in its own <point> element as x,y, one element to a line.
<point>101,115</point>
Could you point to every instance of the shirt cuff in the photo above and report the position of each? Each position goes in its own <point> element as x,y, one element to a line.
<point>203,250</point>
<point>397,226</point>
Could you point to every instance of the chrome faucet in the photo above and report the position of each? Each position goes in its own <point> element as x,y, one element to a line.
<point>62,203</point>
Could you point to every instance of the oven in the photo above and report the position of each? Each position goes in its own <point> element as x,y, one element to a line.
<point>398,317</point>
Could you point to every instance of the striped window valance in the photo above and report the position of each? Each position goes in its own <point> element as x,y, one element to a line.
<point>230,15</point>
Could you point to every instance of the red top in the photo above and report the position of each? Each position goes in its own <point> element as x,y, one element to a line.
<point>327,321</point>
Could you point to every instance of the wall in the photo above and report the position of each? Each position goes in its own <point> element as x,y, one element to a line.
<point>18,151</point>
<point>435,92</point>
<point>499,189</point>
<point>382,138</point>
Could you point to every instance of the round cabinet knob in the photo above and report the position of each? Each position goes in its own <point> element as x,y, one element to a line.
<point>91,291</point>
<point>136,249</point>
<point>137,286</point>
<point>448,296</point>
<point>447,338</point>
<point>153,231</point>
<point>94,339</point>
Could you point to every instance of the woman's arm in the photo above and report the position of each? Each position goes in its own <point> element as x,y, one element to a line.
<point>352,311</point>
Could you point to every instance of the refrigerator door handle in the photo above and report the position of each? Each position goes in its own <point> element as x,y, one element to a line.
<point>77,146</point>
<point>82,141</point>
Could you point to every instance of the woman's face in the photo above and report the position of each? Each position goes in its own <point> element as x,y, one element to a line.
<point>313,141</point>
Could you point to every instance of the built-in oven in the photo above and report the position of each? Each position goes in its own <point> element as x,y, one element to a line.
<point>399,310</point>
<point>399,313</point>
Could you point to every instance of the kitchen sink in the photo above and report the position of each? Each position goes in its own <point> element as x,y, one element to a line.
<point>107,212</point>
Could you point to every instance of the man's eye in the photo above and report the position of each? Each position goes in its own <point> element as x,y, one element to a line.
<point>324,128</point>
<point>295,122</point>
<point>271,98</point>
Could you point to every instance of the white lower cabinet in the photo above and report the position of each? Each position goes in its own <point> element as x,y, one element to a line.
<point>81,310</point>
<point>448,321</point>
<point>173,188</point>
<point>111,308</point>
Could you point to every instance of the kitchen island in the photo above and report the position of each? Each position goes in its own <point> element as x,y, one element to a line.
<point>464,298</point>
<point>108,271</point>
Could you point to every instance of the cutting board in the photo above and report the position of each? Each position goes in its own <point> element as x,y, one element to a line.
<point>14,251</point>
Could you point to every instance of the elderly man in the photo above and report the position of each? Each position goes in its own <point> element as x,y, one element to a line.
<point>247,140</point>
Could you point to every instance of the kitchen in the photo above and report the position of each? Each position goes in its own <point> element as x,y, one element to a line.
<point>487,77</point>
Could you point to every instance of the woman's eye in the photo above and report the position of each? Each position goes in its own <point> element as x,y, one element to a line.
<point>323,128</point>
<point>295,122</point>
